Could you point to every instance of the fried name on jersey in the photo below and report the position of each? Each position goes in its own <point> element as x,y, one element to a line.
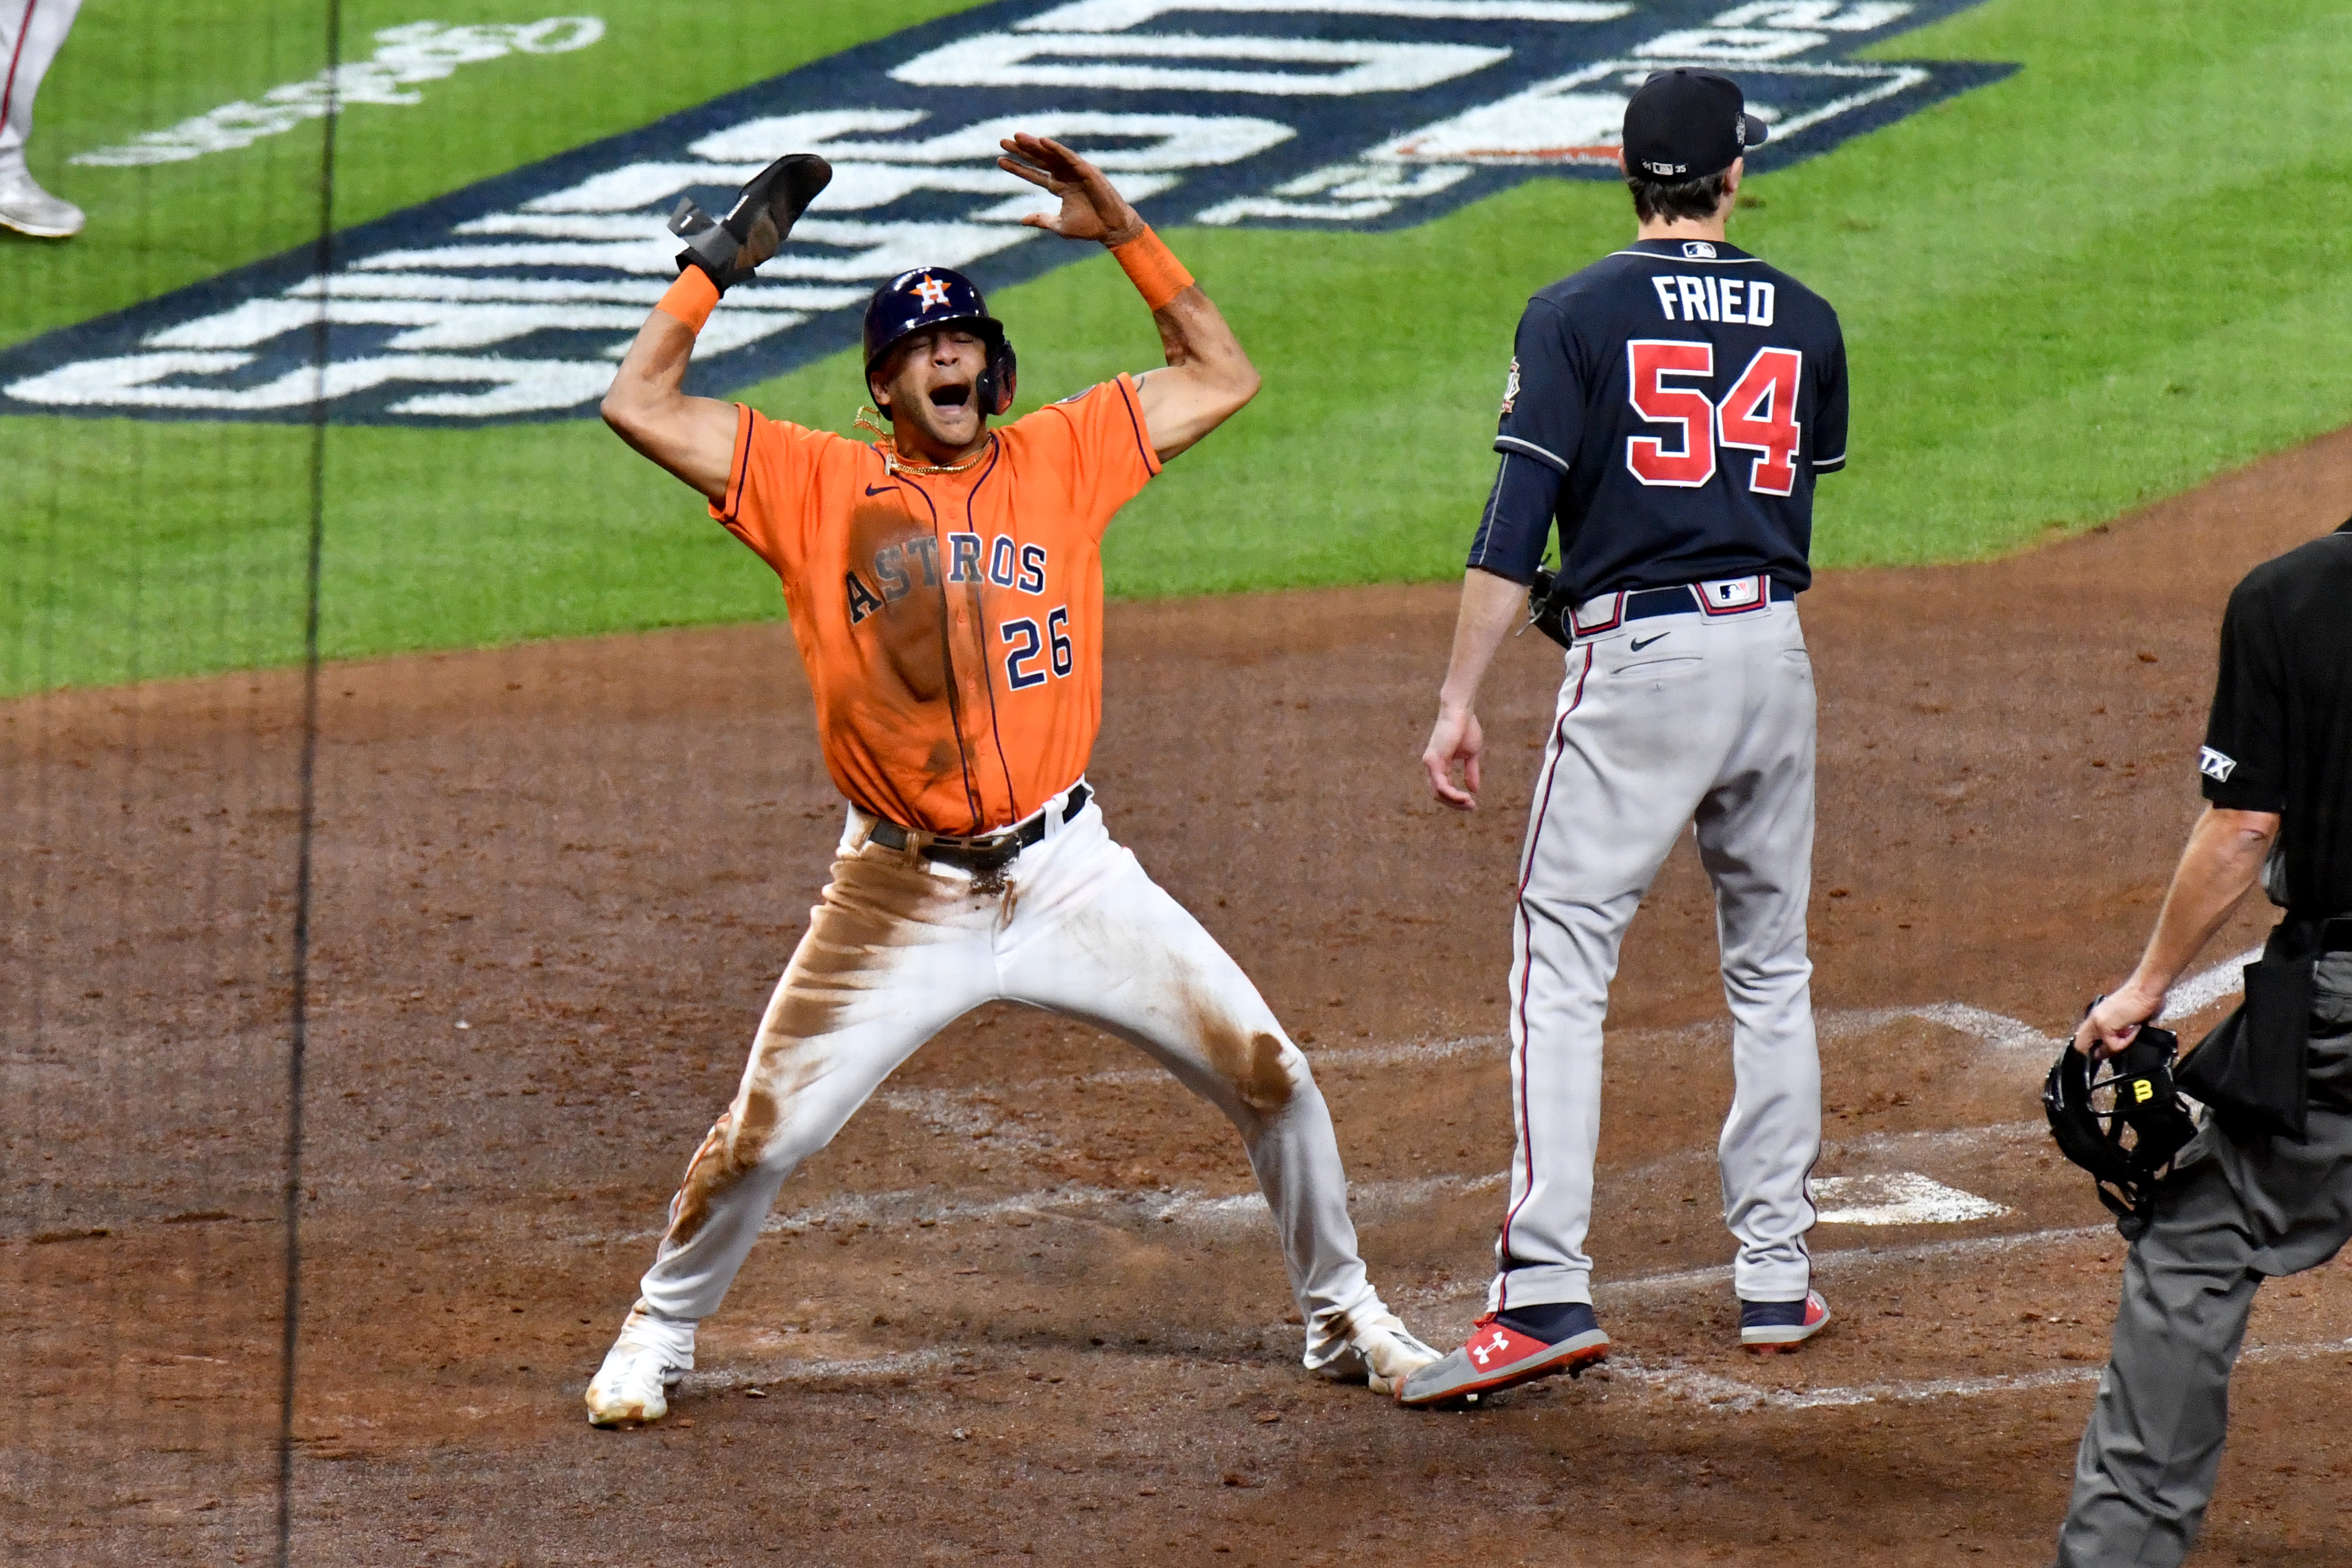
<point>1745,302</point>
<point>897,569</point>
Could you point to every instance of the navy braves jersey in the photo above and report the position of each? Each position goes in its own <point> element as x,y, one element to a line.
<point>1670,407</point>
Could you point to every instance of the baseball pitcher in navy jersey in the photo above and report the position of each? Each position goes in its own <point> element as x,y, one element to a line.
<point>1668,408</point>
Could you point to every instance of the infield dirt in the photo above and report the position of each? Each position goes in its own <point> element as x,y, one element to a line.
<point>1023,1307</point>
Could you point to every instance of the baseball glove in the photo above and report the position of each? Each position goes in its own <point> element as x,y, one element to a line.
<point>1547,608</point>
<point>731,248</point>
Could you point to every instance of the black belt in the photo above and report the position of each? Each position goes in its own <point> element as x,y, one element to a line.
<point>986,852</point>
<point>2299,936</point>
<point>1643,603</point>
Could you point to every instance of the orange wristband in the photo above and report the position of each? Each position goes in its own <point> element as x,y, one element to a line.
<point>690,298</point>
<point>1153,269</point>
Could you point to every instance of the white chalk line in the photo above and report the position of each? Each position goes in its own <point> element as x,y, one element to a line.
<point>2202,990</point>
<point>1729,1396</point>
<point>921,1207</point>
<point>824,1370</point>
<point>1610,1293</point>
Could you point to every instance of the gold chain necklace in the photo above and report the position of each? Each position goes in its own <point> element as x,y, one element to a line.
<point>895,464</point>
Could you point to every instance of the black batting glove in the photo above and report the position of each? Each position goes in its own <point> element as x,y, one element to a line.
<point>730,250</point>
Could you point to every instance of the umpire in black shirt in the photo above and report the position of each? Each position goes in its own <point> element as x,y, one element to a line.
<point>2241,1205</point>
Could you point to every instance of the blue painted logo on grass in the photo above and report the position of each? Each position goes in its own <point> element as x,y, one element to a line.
<point>513,299</point>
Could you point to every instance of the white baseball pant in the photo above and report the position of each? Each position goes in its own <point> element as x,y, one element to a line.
<point>31,33</point>
<point>900,946</point>
<point>1710,718</point>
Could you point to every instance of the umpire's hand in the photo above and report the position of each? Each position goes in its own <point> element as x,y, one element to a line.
<point>2113,1021</point>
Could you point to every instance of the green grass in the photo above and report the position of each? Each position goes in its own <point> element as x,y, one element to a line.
<point>2094,284</point>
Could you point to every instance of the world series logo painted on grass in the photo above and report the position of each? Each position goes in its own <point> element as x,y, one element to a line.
<point>513,299</point>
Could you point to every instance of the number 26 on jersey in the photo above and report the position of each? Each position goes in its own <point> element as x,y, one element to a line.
<point>1758,415</point>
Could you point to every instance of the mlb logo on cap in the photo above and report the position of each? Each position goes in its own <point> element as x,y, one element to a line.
<point>1686,124</point>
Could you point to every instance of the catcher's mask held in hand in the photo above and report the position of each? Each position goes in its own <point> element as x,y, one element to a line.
<point>756,227</point>
<point>2121,1119</point>
<point>926,297</point>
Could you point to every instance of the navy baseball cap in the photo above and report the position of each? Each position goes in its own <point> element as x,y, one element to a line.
<point>1686,124</point>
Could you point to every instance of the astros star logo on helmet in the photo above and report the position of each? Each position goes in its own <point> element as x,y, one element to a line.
<point>931,292</point>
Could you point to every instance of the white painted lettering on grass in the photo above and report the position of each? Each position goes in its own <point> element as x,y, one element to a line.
<point>405,56</point>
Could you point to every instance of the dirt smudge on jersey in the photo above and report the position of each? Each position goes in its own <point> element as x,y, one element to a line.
<point>920,652</point>
<point>897,557</point>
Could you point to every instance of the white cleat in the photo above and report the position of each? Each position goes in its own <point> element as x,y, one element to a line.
<point>644,1365</point>
<point>1382,1352</point>
<point>28,209</point>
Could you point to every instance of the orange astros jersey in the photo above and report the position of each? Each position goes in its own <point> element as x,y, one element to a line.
<point>951,622</point>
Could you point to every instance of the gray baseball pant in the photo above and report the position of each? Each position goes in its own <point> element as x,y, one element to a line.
<point>1708,722</point>
<point>2232,1216</point>
<point>31,33</point>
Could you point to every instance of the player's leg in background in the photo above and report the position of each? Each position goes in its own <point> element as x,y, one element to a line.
<point>2235,1213</point>
<point>1636,739</point>
<point>1095,938</point>
<point>893,952</point>
<point>31,33</point>
<point>1756,839</point>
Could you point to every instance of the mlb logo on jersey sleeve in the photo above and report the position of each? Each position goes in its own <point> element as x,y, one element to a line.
<point>514,299</point>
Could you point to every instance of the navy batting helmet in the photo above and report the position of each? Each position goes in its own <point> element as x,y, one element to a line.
<point>927,297</point>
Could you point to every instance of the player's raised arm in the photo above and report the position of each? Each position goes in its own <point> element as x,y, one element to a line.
<point>694,437</point>
<point>1207,378</point>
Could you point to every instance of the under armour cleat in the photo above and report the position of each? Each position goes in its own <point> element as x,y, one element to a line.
<point>1501,1355</point>
<point>1769,1327</point>
<point>644,1365</point>
<point>1382,1352</point>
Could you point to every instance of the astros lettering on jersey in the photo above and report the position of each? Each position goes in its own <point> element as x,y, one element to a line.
<point>950,622</point>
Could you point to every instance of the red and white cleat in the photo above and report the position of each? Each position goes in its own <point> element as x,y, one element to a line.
<point>1769,1327</point>
<point>1499,1356</point>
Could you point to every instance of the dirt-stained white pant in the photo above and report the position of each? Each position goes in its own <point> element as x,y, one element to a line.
<point>1662,722</point>
<point>899,947</point>
<point>31,33</point>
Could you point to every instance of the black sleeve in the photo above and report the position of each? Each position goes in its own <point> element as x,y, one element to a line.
<point>2244,758</point>
<point>1829,426</point>
<point>1542,422</point>
<point>1543,405</point>
<point>1508,542</point>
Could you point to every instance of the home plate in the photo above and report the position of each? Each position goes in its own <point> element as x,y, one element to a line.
<point>1904,1198</point>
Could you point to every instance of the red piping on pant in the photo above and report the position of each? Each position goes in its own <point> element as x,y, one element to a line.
<point>1527,975</point>
<point>23,30</point>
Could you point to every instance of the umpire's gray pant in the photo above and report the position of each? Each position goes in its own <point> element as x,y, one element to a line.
<point>2233,1215</point>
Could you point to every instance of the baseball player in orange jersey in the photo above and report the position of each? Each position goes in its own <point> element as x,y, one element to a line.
<point>946,592</point>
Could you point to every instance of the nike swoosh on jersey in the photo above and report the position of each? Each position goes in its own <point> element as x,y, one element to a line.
<point>878,489</point>
<point>1638,643</point>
